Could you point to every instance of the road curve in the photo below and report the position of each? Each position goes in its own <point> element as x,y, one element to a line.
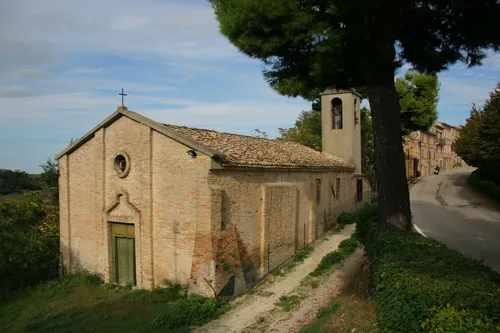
<point>446,209</point>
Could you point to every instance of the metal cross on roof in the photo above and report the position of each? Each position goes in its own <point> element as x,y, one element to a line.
<point>122,95</point>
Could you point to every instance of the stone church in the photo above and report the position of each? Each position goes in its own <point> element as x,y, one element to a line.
<point>146,203</point>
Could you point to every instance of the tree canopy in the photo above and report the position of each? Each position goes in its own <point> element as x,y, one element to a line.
<point>418,97</point>
<point>478,144</point>
<point>309,45</point>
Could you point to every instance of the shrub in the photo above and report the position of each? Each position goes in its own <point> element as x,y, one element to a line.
<point>327,262</point>
<point>367,225</point>
<point>191,311</point>
<point>422,286</point>
<point>346,218</point>
<point>302,254</point>
<point>348,246</point>
<point>413,274</point>
<point>449,319</point>
<point>29,241</point>
<point>489,188</point>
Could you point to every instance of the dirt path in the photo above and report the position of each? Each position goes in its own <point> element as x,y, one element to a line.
<point>258,312</point>
<point>293,321</point>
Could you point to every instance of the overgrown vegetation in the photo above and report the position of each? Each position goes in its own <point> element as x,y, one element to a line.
<point>333,258</point>
<point>351,311</point>
<point>81,303</point>
<point>289,302</point>
<point>422,286</point>
<point>478,143</point>
<point>17,182</point>
<point>29,236</point>
<point>487,187</point>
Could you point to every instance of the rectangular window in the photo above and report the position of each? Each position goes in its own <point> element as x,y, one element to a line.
<point>337,187</point>
<point>318,191</point>
<point>359,190</point>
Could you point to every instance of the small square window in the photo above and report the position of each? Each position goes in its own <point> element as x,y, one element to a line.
<point>318,191</point>
<point>359,190</point>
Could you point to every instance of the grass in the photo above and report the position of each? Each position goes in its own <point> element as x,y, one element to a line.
<point>351,311</point>
<point>81,303</point>
<point>289,302</point>
<point>297,258</point>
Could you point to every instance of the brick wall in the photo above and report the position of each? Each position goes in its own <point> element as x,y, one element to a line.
<point>160,196</point>
<point>244,207</point>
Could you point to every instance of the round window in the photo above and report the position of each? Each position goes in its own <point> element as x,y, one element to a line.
<point>122,165</point>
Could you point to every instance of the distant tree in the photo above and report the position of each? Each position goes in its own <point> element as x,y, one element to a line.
<point>259,133</point>
<point>50,174</point>
<point>307,129</point>
<point>16,182</point>
<point>478,143</point>
<point>418,97</point>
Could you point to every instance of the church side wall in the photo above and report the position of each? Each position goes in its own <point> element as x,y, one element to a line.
<point>279,209</point>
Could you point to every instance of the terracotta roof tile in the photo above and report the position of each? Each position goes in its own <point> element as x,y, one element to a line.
<point>249,151</point>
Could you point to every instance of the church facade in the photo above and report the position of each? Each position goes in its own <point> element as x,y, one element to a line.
<point>145,203</point>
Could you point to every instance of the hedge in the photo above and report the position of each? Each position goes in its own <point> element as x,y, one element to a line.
<point>422,286</point>
<point>489,188</point>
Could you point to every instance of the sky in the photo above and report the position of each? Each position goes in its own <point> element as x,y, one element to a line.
<point>63,63</point>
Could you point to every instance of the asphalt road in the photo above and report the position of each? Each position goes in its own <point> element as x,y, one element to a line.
<point>446,209</point>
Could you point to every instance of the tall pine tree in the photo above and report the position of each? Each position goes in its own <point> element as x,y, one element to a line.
<point>309,45</point>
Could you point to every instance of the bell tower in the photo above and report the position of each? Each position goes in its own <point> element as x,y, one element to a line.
<point>341,125</point>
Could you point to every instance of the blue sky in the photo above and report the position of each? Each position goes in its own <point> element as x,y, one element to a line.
<point>63,63</point>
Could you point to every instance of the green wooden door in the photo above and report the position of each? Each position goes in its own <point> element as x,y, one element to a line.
<point>124,253</point>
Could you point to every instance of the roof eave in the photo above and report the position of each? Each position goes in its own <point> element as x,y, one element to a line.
<point>123,111</point>
<point>89,135</point>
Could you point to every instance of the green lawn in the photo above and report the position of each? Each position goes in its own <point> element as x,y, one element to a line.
<point>81,303</point>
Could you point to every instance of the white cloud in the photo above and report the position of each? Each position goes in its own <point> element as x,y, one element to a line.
<point>29,73</point>
<point>86,70</point>
<point>36,33</point>
<point>15,91</point>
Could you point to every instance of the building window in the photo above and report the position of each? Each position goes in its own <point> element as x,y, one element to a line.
<point>121,165</point>
<point>337,113</point>
<point>337,187</point>
<point>359,190</point>
<point>356,117</point>
<point>318,191</point>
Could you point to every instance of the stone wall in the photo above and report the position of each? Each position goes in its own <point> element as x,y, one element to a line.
<point>275,213</point>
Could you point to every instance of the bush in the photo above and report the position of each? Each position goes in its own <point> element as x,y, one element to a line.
<point>449,319</point>
<point>29,241</point>
<point>413,274</point>
<point>346,218</point>
<point>422,286</point>
<point>327,262</point>
<point>367,224</point>
<point>348,246</point>
<point>191,311</point>
<point>489,188</point>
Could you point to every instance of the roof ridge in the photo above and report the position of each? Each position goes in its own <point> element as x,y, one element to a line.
<point>220,132</point>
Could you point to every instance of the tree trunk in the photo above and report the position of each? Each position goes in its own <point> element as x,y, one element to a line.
<point>392,186</point>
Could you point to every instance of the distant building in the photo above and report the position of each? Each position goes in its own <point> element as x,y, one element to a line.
<point>424,150</point>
